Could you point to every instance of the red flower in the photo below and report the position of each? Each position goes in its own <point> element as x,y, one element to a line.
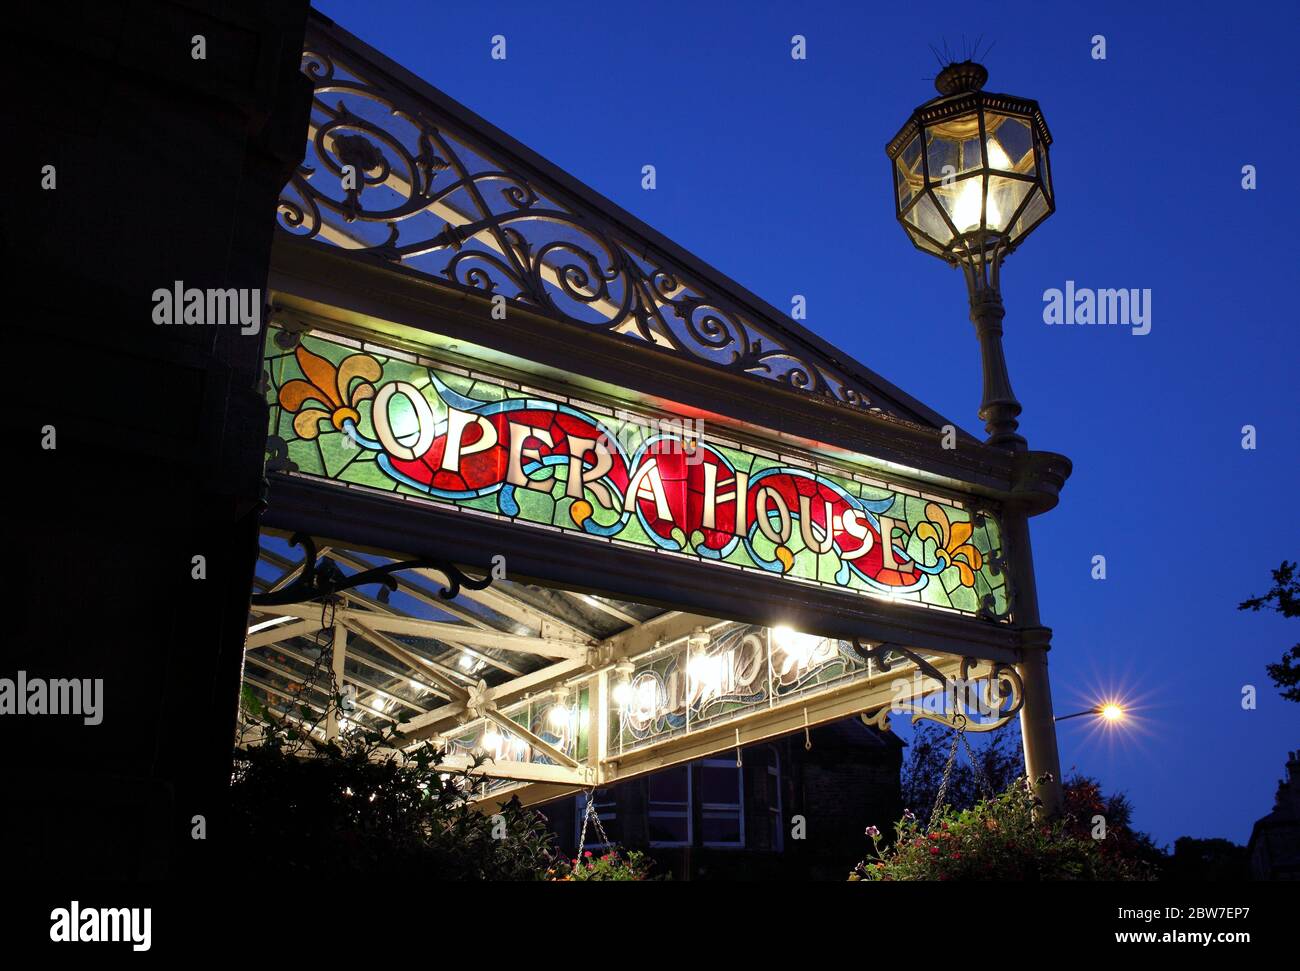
<point>934,851</point>
<point>588,853</point>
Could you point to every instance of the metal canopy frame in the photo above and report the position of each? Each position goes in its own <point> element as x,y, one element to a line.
<point>459,667</point>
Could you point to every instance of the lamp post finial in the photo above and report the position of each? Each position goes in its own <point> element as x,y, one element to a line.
<point>961,76</point>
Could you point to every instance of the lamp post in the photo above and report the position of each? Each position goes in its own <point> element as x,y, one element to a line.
<point>971,182</point>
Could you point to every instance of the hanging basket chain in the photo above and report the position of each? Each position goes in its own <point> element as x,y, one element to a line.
<point>985,785</point>
<point>590,815</point>
<point>959,738</point>
<point>947,777</point>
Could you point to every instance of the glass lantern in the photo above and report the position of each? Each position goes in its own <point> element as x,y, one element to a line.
<point>970,169</point>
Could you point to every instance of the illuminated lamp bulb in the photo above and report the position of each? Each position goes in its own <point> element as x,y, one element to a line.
<point>623,689</point>
<point>999,159</point>
<point>647,694</point>
<point>794,644</point>
<point>966,212</point>
<point>560,715</point>
<point>707,671</point>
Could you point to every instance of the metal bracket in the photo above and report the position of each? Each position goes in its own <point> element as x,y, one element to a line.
<point>998,700</point>
<point>323,578</point>
<point>879,655</point>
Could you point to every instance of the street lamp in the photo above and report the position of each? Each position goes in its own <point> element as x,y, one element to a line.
<point>1107,711</point>
<point>971,181</point>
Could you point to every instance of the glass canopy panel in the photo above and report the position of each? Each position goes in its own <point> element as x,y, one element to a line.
<point>1010,143</point>
<point>371,418</point>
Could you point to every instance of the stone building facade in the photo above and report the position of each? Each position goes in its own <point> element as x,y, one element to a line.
<point>1274,847</point>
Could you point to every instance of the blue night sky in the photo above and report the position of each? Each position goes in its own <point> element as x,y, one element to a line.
<point>773,171</point>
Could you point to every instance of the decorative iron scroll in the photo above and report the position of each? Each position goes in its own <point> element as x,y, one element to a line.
<point>981,704</point>
<point>424,190</point>
<point>322,578</point>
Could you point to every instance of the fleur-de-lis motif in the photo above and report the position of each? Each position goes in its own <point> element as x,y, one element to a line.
<point>952,540</point>
<point>340,389</point>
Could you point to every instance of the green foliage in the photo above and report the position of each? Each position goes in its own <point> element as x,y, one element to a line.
<point>1207,860</point>
<point>1284,597</point>
<point>611,865</point>
<point>995,839</point>
<point>251,703</point>
<point>1085,802</point>
<point>304,807</point>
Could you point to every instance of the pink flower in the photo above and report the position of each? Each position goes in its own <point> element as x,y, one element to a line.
<point>588,853</point>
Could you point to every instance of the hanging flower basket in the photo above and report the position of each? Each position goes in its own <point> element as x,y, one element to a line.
<point>611,865</point>
<point>997,839</point>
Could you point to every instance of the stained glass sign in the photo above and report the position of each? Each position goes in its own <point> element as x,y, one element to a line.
<point>366,416</point>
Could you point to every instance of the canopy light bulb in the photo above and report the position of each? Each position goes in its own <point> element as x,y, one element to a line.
<point>622,693</point>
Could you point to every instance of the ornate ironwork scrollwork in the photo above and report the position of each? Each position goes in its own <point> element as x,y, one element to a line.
<point>322,578</point>
<point>879,655</point>
<point>981,704</point>
<point>507,227</point>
